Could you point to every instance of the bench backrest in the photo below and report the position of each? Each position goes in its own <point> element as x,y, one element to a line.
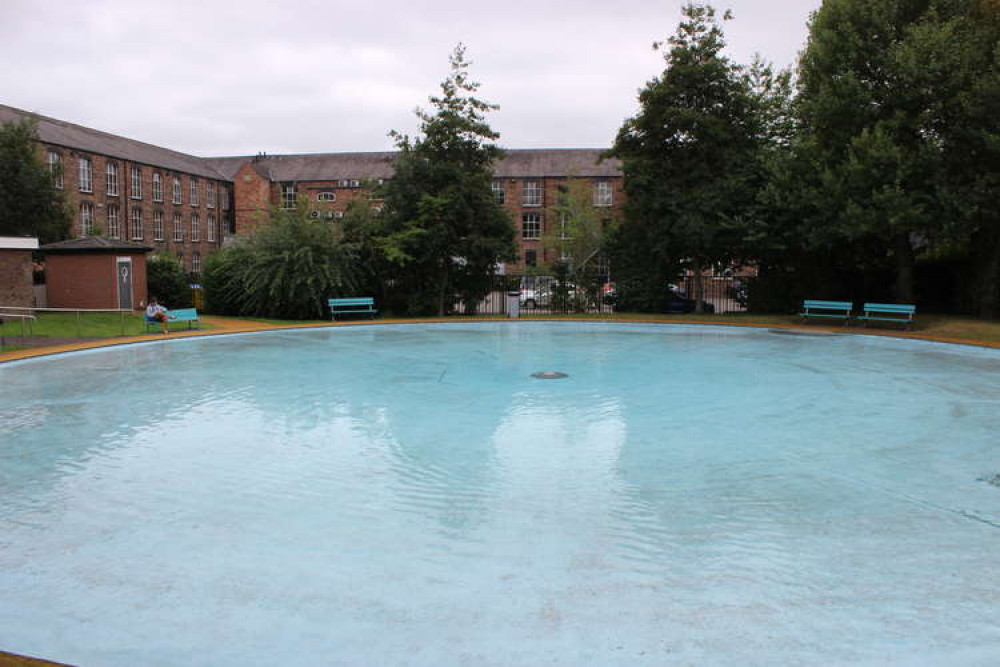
<point>360,301</point>
<point>894,308</point>
<point>183,314</point>
<point>827,305</point>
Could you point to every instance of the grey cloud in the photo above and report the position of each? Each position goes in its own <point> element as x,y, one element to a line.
<point>302,76</point>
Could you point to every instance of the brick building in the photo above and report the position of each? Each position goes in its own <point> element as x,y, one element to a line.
<point>132,191</point>
<point>137,192</point>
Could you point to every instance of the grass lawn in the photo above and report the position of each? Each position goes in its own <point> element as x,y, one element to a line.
<point>86,325</point>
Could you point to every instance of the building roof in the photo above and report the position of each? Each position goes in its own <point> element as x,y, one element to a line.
<point>70,135</point>
<point>95,244</point>
<point>518,163</point>
<point>18,243</point>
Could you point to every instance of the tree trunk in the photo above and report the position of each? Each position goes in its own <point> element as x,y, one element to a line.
<point>698,288</point>
<point>903,252</point>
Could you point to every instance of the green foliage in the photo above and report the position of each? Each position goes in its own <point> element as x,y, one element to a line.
<point>287,269</point>
<point>29,203</point>
<point>693,157</point>
<point>878,83</point>
<point>167,280</point>
<point>443,231</point>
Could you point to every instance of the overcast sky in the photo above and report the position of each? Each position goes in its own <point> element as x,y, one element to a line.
<point>227,78</point>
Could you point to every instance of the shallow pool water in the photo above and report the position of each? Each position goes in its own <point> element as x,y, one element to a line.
<point>411,495</point>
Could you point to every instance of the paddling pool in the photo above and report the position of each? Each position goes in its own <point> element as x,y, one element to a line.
<point>503,494</point>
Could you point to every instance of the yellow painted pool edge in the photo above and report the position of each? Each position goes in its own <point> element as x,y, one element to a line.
<point>226,327</point>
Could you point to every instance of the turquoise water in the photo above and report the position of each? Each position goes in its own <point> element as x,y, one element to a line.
<point>410,495</point>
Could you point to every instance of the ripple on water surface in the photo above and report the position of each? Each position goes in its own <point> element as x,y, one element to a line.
<point>412,495</point>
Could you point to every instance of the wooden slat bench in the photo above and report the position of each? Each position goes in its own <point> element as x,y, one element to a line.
<point>901,313</point>
<point>840,310</point>
<point>364,304</point>
<point>189,315</point>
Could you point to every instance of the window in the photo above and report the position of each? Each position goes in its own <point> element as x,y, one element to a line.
<point>326,196</point>
<point>530,258</point>
<point>194,191</point>
<point>355,184</point>
<point>210,231</point>
<point>157,225</point>
<point>344,183</point>
<point>531,226</point>
<point>136,224</point>
<point>114,223</point>
<point>136,183</point>
<point>157,187</point>
<point>55,170</point>
<point>178,228</point>
<point>602,193</point>
<point>564,229</point>
<point>195,224</point>
<point>288,196</point>
<point>498,192</point>
<point>210,195</point>
<point>111,178</point>
<point>532,195</point>
<point>196,262</point>
<point>86,175</point>
<point>86,219</point>
<point>177,190</point>
<point>225,198</point>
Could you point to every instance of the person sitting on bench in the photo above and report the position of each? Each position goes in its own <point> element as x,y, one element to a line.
<point>157,313</point>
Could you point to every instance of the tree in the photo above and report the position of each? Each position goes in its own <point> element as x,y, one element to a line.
<point>30,205</point>
<point>689,157</point>
<point>286,269</point>
<point>167,280</point>
<point>578,241</point>
<point>875,83</point>
<point>444,229</point>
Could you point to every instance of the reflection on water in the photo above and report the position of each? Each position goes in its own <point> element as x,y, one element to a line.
<point>409,494</point>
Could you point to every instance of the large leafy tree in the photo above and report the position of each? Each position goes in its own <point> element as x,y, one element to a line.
<point>286,269</point>
<point>877,82</point>
<point>29,203</point>
<point>689,158</point>
<point>443,228</point>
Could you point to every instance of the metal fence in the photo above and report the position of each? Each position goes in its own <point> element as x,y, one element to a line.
<point>545,295</point>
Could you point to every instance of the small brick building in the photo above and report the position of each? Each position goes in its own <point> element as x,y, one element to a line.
<point>96,272</point>
<point>16,271</point>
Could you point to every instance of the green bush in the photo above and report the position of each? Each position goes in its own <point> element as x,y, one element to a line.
<point>286,270</point>
<point>167,280</point>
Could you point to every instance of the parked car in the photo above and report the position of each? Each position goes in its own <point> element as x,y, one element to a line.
<point>676,302</point>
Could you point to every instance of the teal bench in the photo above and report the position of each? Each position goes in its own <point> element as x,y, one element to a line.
<point>901,313</point>
<point>364,304</point>
<point>189,315</point>
<point>840,310</point>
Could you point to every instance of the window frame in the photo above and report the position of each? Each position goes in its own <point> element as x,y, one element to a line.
<point>135,180</point>
<point>157,187</point>
<point>178,193</point>
<point>135,230</point>
<point>85,173</point>
<point>157,225</point>
<point>86,218</point>
<point>209,194</point>
<point>603,194</point>
<point>532,194</point>
<point>55,169</point>
<point>193,196</point>
<point>114,221</point>
<point>210,232</point>
<point>195,228</point>
<point>499,193</point>
<point>536,226</point>
<point>178,225</point>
